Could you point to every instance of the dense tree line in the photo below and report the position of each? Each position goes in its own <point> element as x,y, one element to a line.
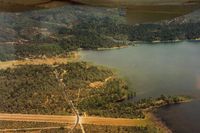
<point>94,32</point>
<point>120,129</point>
<point>35,89</point>
<point>143,32</point>
<point>16,52</point>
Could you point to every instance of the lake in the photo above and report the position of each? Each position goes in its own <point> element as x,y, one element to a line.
<point>155,69</point>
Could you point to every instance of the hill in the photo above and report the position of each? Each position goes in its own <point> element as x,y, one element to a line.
<point>71,27</point>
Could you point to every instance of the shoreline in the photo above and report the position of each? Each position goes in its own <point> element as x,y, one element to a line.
<point>153,120</point>
<point>167,41</point>
<point>135,43</point>
<point>156,121</point>
<point>112,48</point>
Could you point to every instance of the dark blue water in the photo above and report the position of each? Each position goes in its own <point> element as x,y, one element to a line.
<point>182,118</point>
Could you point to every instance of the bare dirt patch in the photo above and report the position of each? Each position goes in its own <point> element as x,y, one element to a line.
<point>99,84</point>
<point>38,61</point>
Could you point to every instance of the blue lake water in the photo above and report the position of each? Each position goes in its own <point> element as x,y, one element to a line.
<point>155,69</point>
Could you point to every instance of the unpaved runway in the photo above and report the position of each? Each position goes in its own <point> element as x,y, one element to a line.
<point>72,119</point>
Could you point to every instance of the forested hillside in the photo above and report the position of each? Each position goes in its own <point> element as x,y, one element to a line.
<point>84,25</point>
<point>58,31</point>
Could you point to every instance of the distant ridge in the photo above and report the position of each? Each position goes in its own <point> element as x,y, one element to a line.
<point>17,26</point>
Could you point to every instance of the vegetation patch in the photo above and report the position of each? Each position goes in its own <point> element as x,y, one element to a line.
<point>119,129</point>
<point>35,89</point>
<point>20,125</point>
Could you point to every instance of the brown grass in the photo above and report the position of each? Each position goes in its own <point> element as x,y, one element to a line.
<point>38,61</point>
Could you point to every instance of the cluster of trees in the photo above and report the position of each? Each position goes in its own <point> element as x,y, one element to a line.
<point>119,129</point>
<point>34,49</point>
<point>35,89</point>
<point>20,125</point>
<point>160,101</point>
<point>143,32</point>
<point>108,101</point>
<point>13,52</point>
<point>7,52</point>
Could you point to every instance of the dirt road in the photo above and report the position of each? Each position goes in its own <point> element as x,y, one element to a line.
<point>72,119</point>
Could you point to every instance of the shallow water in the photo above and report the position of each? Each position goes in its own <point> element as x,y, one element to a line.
<point>152,70</point>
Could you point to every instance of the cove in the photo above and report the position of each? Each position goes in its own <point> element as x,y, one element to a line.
<point>155,69</point>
